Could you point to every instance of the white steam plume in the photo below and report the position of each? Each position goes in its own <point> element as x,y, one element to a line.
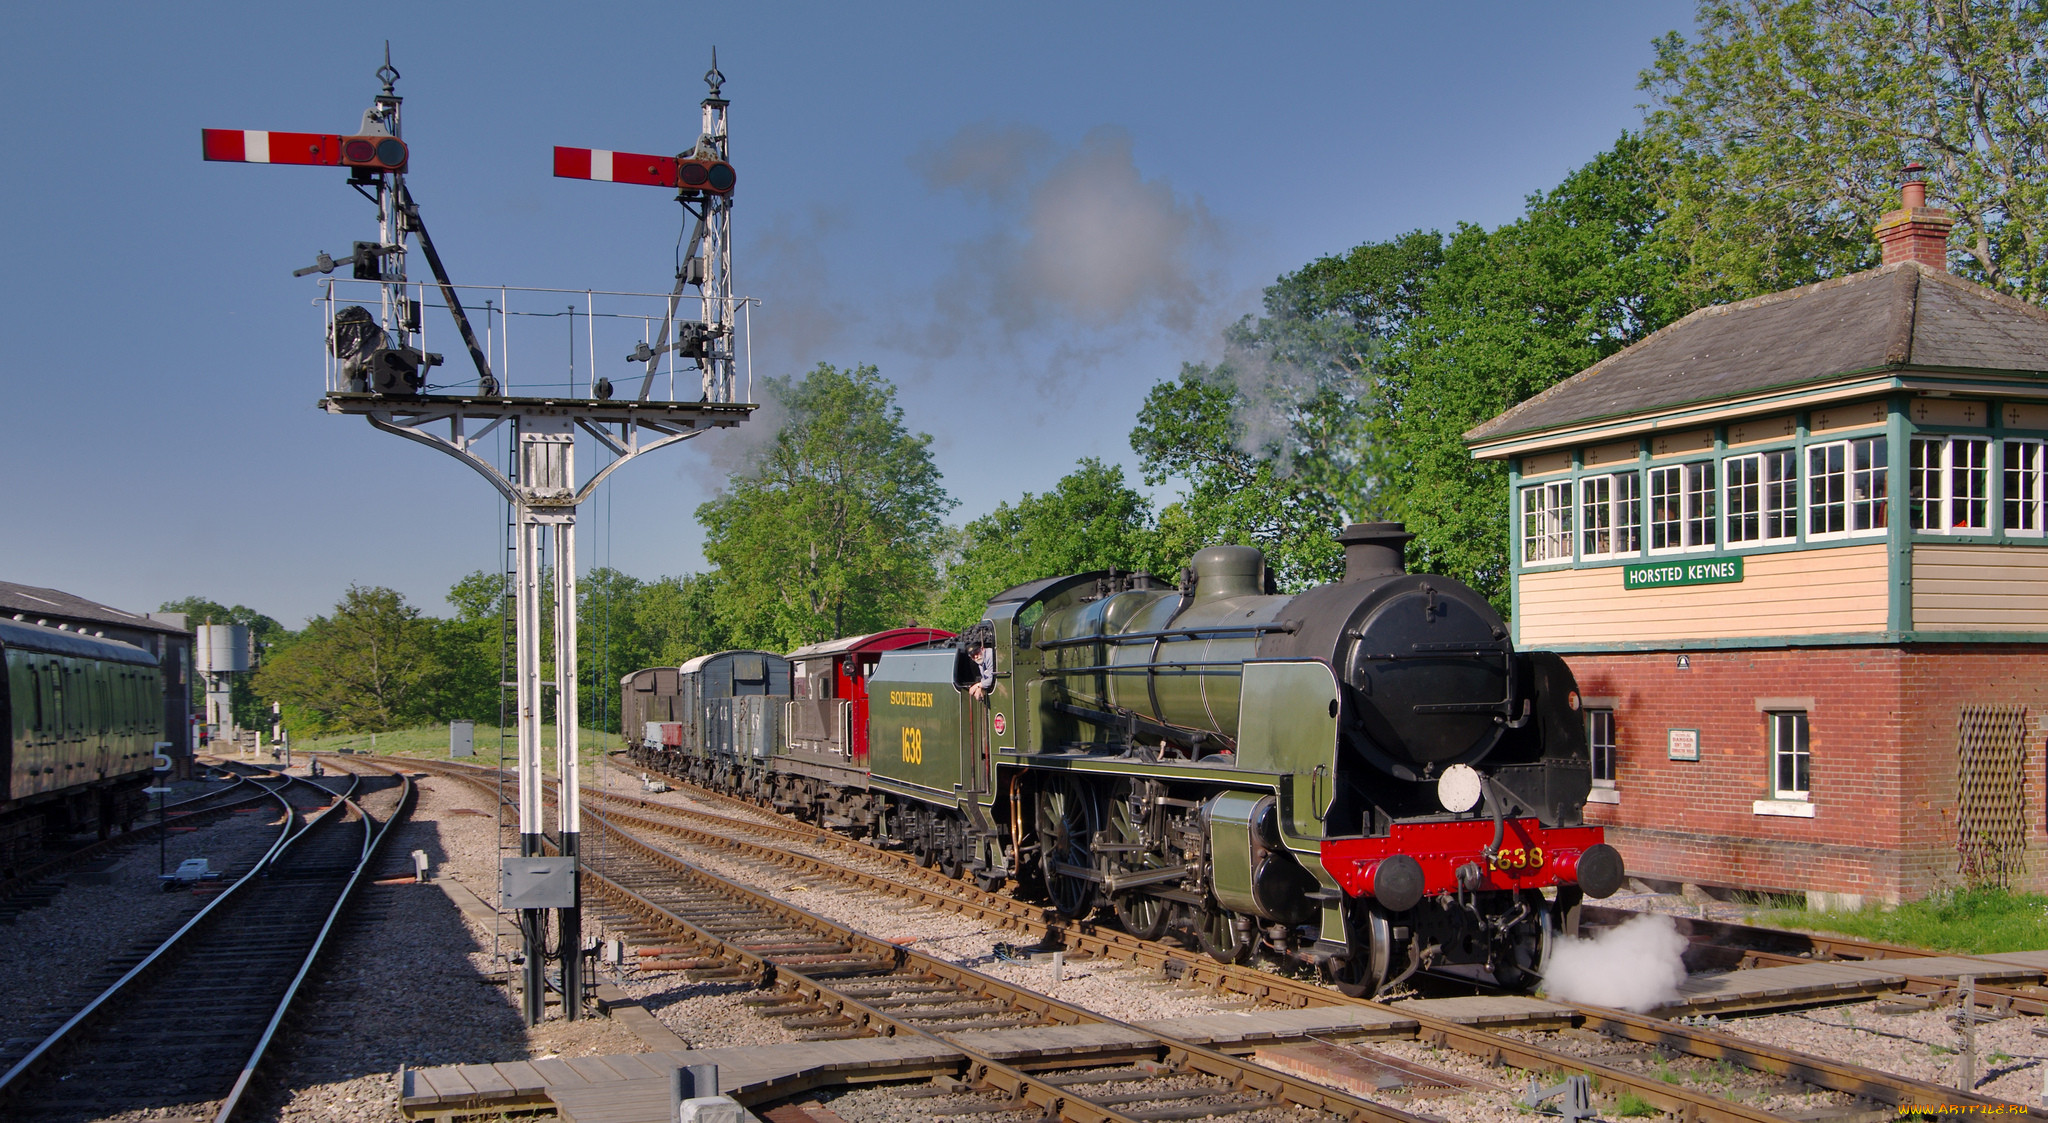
<point>1081,242</point>
<point>1637,966</point>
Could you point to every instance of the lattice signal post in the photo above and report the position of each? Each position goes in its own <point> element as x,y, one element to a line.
<point>378,366</point>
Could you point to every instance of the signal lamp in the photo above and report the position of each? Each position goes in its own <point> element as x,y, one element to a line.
<point>375,153</point>
<point>714,177</point>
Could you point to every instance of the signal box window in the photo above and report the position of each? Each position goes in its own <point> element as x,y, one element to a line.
<point>1950,482</point>
<point>1600,742</point>
<point>1763,497</point>
<point>1791,759</point>
<point>1611,515</point>
<point>1682,507</point>
<point>1845,488</point>
<point>1547,523</point>
<point>2026,499</point>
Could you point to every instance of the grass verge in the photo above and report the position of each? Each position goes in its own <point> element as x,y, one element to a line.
<point>1972,921</point>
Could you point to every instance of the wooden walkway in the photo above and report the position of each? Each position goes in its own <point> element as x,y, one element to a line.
<point>1830,982</point>
<point>634,1088</point>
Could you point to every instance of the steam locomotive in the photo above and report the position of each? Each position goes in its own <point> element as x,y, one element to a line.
<point>1366,778</point>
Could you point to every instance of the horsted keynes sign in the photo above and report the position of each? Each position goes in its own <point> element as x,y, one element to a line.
<point>1660,575</point>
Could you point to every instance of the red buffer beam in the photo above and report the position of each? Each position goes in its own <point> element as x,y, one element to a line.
<point>615,167</point>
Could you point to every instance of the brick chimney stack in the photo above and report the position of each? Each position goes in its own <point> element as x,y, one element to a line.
<point>1915,232</point>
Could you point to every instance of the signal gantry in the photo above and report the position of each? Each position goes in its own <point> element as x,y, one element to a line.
<point>377,367</point>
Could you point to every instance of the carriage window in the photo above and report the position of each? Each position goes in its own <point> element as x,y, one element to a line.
<point>35,690</point>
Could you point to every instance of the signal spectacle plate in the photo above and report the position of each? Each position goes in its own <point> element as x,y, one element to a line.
<point>391,152</point>
<point>721,177</point>
<point>1459,788</point>
<point>358,150</point>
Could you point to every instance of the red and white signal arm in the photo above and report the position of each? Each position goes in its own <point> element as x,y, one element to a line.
<point>256,146</point>
<point>715,177</point>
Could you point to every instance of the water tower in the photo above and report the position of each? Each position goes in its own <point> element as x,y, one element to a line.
<point>218,651</point>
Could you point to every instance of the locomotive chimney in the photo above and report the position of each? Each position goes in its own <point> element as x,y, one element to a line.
<point>1373,550</point>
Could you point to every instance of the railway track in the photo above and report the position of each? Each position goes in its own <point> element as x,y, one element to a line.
<point>188,1026</point>
<point>37,885</point>
<point>904,877</point>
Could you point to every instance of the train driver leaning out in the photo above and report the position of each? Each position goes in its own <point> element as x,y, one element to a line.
<point>985,658</point>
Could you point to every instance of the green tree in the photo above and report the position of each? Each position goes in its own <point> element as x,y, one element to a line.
<point>679,618</point>
<point>1091,519</point>
<point>250,710</point>
<point>368,667</point>
<point>1237,486</point>
<point>1787,122</point>
<point>834,526</point>
<point>467,650</point>
<point>1507,314</point>
<point>1392,351</point>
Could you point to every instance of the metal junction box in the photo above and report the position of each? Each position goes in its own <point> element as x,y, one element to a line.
<point>538,883</point>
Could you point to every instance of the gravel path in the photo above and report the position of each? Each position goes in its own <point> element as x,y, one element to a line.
<point>56,958</point>
<point>415,980</point>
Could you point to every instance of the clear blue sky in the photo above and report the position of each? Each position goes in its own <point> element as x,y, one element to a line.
<point>1026,215</point>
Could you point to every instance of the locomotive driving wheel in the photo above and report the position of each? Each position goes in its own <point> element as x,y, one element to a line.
<point>1067,822</point>
<point>1134,822</point>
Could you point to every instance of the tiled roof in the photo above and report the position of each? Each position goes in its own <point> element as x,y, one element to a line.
<point>1903,315</point>
<point>34,603</point>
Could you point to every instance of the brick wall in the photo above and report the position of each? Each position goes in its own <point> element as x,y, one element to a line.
<point>1882,725</point>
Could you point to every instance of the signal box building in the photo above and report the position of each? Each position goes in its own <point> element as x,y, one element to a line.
<point>1796,551</point>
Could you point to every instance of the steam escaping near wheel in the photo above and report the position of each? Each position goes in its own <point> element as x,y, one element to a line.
<point>1637,966</point>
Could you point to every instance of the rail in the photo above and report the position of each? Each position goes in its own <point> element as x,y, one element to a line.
<point>253,890</point>
<point>372,846</point>
<point>183,810</point>
<point>1698,1041</point>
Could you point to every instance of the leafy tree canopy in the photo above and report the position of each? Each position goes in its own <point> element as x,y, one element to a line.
<point>1787,122</point>
<point>368,667</point>
<point>1368,368</point>
<point>834,526</point>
